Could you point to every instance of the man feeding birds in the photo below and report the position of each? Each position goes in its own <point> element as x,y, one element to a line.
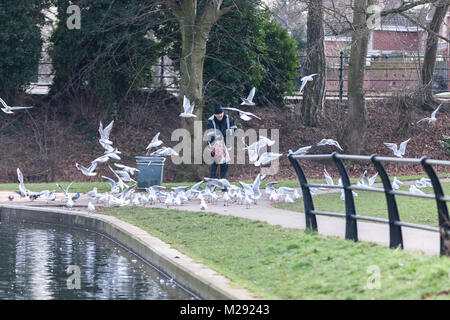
<point>220,128</point>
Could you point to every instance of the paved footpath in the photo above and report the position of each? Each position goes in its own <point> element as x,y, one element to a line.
<point>423,241</point>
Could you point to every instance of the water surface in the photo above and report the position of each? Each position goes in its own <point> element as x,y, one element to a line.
<point>42,262</point>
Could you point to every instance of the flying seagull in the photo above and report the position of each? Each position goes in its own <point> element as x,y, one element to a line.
<point>305,79</point>
<point>188,109</point>
<point>155,142</point>
<point>300,151</point>
<point>246,116</point>
<point>104,133</point>
<point>329,142</point>
<point>9,110</point>
<point>164,152</point>
<point>432,118</point>
<point>249,100</point>
<point>87,171</point>
<point>267,157</point>
<point>400,152</point>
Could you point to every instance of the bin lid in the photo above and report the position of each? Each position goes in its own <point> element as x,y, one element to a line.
<point>142,159</point>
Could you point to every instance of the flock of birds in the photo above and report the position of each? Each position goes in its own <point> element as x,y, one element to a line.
<point>122,194</point>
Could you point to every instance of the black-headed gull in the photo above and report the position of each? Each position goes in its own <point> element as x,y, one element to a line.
<point>246,116</point>
<point>155,142</point>
<point>87,171</point>
<point>249,100</point>
<point>188,109</point>
<point>432,118</point>
<point>267,157</point>
<point>9,110</point>
<point>399,152</point>
<point>305,79</point>
<point>300,151</point>
<point>329,142</point>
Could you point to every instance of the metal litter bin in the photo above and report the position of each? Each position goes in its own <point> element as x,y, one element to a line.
<point>150,171</point>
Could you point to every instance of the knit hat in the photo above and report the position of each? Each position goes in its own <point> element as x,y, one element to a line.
<point>218,109</point>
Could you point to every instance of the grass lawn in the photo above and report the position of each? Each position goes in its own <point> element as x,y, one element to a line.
<point>280,263</point>
<point>413,210</point>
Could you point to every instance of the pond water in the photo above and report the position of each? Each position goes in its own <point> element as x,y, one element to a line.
<point>40,262</point>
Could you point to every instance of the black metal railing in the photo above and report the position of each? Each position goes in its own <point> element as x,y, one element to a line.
<point>350,215</point>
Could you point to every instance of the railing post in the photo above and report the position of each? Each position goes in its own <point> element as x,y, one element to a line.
<point>311,222</point>
<point>395,232</point>
<point>341,77</point>
<point>351,228</point>
<point>444,223</point>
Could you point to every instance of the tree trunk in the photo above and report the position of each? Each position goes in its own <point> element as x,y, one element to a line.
<point>195,26</point>
<point>356,125</point>
<point>314,93</point>
<point>429,61</point>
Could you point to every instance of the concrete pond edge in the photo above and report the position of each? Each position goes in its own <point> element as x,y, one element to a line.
<point>193,276</point>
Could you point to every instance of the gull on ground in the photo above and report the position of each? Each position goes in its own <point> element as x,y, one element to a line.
<point>295,196</point>
<point>423,183</point>
<point>9,110</point>
<point>69,202</point>
<point>432,118</point>
<point>249,100</point>
<point>400,152</point>
<point>288,199</point>
<point>284,190</point>
<point>90,207</point>
<point>247,201</point>
<point>246,116</point>
<point>203,205</point>
<point>329,142</point>
<point>305,79</point>
<point>270,187</point>
<point>188,109</point>
<point>273,196</point>
<point>24,192</point>
<point>48,195</point>
<point>396,184</point>
<point>413,189</point>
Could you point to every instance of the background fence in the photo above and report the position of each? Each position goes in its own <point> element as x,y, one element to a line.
<point>385,74</point>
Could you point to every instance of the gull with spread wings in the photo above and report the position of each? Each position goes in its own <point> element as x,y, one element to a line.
<point>9,110</point>
<point>249,100</point>
<point>188,109</point>
<point>246,116</point>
